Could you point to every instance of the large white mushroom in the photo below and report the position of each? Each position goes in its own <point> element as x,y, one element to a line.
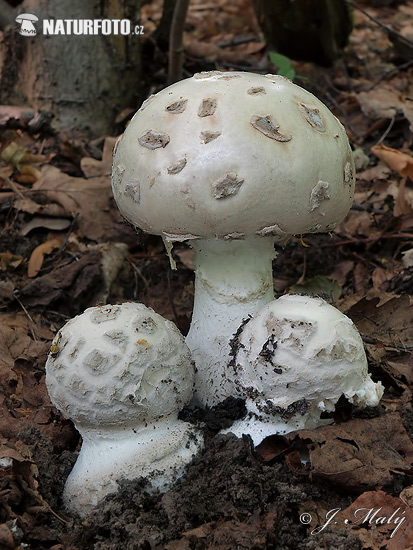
<point>293,361</point>
<point>228,162</point>
<point>122,373</point>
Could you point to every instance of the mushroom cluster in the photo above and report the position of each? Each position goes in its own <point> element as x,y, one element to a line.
<point>229,162</point>
<point>122,373</point>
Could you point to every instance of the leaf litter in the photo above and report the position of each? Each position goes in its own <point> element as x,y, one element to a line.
<point>64,247</point>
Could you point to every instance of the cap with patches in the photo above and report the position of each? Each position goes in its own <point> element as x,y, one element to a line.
<point>293,361</point>
<point>122,373</point>
<point>233,155</point>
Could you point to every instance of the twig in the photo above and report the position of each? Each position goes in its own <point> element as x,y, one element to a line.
<point>388,73</point>
<point>27,315</point>
<point>367,208</point>
<point>237,41</point>
<point>389,127</point>
<point>176,41</point>
<point>69,231</point>
<point>15,189</point>
<point>368,240</point>
<point>391,32</point>
<point>140,274</point>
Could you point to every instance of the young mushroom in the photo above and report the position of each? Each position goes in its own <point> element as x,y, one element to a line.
<point>122,373</point>
<point>293,361</point>
<point>229,162</point>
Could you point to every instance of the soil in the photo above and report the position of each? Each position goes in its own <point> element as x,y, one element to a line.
<point>60,231</point>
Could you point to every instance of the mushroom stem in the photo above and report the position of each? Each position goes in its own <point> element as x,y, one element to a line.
<point>233,281</point>
<point>157,451</point>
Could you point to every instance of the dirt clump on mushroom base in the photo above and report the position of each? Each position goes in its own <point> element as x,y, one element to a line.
<point>229,499</point>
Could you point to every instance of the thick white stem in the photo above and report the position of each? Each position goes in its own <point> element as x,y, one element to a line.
<point>158,451</point>
<point>233,281</point>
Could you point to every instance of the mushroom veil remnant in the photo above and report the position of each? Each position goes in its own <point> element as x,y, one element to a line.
<point>229,162</point>
<point>122,373</point>
<point>293,361</point>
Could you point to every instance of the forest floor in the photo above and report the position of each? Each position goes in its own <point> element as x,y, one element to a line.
<point>60,230</point>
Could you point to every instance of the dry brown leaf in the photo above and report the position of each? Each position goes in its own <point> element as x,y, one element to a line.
<point>7,259</point>
<point>380,520</point>
<point>360,453</point>
<point>401,205</point>
<point>80,279</point>
<point>93,168</point>
<point>15,342</point>
<point>391,323</point>
<point>37,256</point>
<point>87,198</point>
<point>396,160</point>
<point>31,207</point>
<point>385,102</point>
<point>27,174</point>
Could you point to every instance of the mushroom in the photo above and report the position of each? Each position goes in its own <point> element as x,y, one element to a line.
<point>26,21</point>
<point>122,373</point>
<point>293,361</point>
<point>229,162</point>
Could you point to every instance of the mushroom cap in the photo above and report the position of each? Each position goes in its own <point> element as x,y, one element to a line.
<point>26,17</point>
<point>119,365</point>
<point>298,355</point>
<point>233,155</point>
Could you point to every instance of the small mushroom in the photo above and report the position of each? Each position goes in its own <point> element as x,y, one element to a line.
<point>255,173</point>
<point>293,361</point>
<point>122,373</point>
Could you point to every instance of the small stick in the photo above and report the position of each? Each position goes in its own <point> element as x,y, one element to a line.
<point>176,41</point>
<point>27,315</point>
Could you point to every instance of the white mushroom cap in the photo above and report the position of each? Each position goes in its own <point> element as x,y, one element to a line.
<point>233,155</point>
<point>294,359</point>
<point>119,365</point>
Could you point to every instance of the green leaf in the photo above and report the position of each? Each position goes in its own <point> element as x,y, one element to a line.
<point>283,63</point>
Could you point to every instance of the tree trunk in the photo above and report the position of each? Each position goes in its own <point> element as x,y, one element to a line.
<point>309,30</point>
<point>82,80</point>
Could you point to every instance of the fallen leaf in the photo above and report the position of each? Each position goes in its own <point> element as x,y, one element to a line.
<point>380,521</point>
<point>358,454</point>
<point>27,174</point>
<point>391,323</point>
<point>396,160</point>
<point>7,259</point>
<point>93,168</point>
<point>78,280</point>
<point>16,155</point>
<point>385,102</point>
<point>37,256</point>
<point>55,224</point>
<point>87,198</point>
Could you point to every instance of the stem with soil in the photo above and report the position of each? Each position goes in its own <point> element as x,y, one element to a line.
<point>233,281</point>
